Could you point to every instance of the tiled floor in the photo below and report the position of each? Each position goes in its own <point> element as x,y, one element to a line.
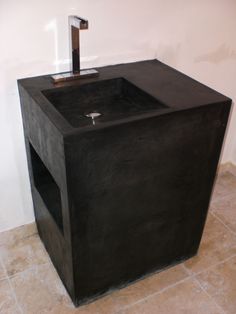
<point>203,284</point>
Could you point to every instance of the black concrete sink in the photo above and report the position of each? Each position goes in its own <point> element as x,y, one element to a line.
<point>109,100</point>
<point>126,194</point>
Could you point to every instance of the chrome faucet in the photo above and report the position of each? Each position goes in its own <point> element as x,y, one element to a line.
<point>75,25</point>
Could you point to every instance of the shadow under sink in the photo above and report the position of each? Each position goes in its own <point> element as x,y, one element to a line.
<point>108,100</point>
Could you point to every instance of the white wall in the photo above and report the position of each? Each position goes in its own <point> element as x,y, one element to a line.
<point>196,37</point>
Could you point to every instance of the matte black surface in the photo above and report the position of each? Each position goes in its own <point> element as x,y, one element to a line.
<point>114,99</point>
<point>135,187</point>
<point>47,187</point>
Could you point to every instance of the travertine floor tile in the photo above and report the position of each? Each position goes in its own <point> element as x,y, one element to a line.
<point>186,297</point>
<point>220,283</point>
<point>91,308</point>
<point>217,244</point>
<point>139,290</point>
<point>2,271</point>
<point>225,209</point>
<point>7,301</point>
<point>39,290</point>
<point>17,234</point>
<point>22,254</point>
<point>225,186</point>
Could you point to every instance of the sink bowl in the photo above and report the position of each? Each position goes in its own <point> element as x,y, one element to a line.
<point>109,100</point>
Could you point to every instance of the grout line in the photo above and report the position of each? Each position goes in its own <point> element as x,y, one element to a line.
<point>214,265</point>
<point>220,220</point>
<point>205,291</point>
<point>11,287</point>
<point>160,291</point>
<point>154,294</point>
<point>190,276</point>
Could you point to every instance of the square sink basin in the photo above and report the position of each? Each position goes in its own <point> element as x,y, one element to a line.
<point>106,100</point>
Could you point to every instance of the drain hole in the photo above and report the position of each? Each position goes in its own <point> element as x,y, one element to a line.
<point>93,115</point>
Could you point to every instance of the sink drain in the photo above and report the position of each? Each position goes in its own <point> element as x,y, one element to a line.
<point>93,115</point>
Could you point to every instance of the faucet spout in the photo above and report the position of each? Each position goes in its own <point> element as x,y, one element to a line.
<point>75,25</point>
<point>78,22</point>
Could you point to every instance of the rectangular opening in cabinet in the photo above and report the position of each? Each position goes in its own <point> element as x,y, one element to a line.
<point>47,188</point>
